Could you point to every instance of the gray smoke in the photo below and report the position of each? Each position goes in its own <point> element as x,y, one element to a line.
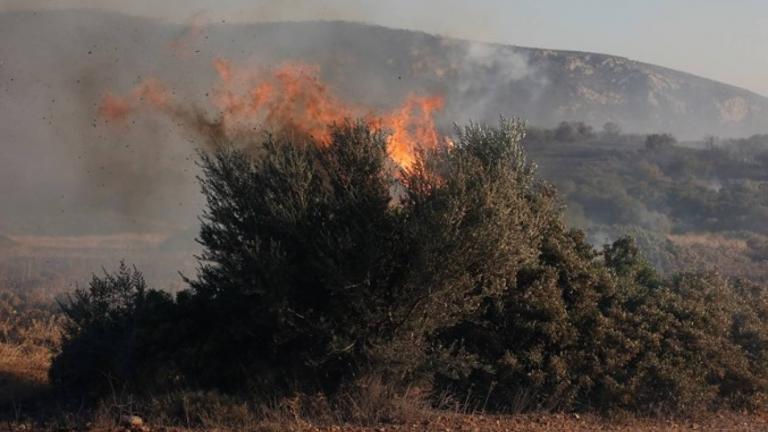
<point>64,170</point>
<point>482,70</point>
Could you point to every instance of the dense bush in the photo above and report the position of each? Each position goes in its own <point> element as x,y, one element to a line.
<point>585,330</point>
<point>325,265</point>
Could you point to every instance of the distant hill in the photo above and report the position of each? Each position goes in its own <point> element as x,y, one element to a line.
<point>55,66</point>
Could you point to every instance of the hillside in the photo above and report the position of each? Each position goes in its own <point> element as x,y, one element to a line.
<point>56,66</point>
<point>541,85</point>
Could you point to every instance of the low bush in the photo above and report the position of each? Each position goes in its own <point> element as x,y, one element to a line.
<point>109,333</point>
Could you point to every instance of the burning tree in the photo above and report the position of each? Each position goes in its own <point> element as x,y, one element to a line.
<point>325,258</point>
<point>321,259</point>
<point>379,248</point>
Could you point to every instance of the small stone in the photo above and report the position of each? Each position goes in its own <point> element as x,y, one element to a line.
<point>132,421</point>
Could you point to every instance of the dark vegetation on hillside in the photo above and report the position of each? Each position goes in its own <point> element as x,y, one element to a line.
<point>696,204</point>
<point>325,269</point>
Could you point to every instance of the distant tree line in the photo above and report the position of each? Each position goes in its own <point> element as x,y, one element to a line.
<point>616,183</point>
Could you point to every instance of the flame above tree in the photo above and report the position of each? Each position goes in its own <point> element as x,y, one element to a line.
<point>292,97</point>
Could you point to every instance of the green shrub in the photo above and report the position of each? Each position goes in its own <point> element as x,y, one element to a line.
<point>108,333</point>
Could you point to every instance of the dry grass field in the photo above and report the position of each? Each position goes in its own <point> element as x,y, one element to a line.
<point>29,337</point>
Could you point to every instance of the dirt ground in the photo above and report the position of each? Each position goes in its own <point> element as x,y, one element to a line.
<point>488,423</point>
<point>554,422</point>
<point>569,422</point>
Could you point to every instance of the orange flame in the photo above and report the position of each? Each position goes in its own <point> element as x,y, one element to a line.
<point>293,96</point>
<point>114,107</point>
<point>150,91</point>
<point>413,128</point>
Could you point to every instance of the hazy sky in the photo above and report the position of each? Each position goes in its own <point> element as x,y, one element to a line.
<point>724,40</point>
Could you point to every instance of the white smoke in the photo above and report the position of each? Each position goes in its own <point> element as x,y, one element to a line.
<point>486,72</point>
